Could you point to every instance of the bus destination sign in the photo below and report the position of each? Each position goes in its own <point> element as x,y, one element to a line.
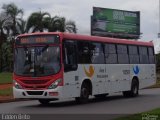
<point>40,39</point>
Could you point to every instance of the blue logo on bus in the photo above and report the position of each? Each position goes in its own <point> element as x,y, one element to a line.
<point>136,70</point>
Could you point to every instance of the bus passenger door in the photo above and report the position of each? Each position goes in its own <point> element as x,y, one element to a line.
<point>71,83</point>
<point>98,64</point>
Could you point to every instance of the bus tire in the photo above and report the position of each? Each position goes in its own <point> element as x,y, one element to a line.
<point>44,101</point>
<point>84,95</point>
<point>134,89</point>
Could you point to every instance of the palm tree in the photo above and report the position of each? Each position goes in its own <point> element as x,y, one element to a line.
<point>38,21</point>
<point>70,26</point>
<point>5,25</point>
<point>2,37</point>
<point>60,24</point>
<point>21,26</point>
<point>57,24</point>
<point>14,13</point>
<point>7,56</point>
<point>2,27</point>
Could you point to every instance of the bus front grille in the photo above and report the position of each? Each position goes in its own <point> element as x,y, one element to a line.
<point>34,92</point>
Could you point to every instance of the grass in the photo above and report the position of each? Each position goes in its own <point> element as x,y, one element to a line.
<point>5,78</point>
<point>151,115</point>
<point>6,92</point>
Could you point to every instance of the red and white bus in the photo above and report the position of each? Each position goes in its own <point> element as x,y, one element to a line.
<point>52,66</point>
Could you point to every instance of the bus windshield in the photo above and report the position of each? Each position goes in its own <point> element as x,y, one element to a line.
<point>37,61</point>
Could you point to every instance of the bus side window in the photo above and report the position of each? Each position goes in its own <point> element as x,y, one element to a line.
<point>97,53</point>
<point>151,55</point>
<point>122,54</point>
<point>143,55</point>
<point>133,54</point>
<point>84,56</point>
<point>110,54</point>
<point>70,62</point>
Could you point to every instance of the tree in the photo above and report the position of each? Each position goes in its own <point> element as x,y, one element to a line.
<point>14,13</point>
<point>12,16</point>
<point>158,61</point>
<point>6,56</point>
<point>60,24</point>
<point>57,24</point>
<point>5,25</point>
<point>21,26</point>
<point>38,21</point>
<point>2,35</point>
<point>70,26</point>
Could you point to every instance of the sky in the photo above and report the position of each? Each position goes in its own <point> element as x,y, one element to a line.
<point>81,10</point>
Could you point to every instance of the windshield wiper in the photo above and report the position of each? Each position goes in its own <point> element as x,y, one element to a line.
<point>45,48</point>
<point>38,51</point>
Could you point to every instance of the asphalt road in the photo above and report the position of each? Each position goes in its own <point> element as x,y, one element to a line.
<point>113,105</point>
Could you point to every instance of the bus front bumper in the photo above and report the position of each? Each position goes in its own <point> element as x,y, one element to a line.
<point>37,94</point>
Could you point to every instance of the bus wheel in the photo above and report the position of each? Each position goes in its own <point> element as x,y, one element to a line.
<point>44,101</point>
<point>84,96</point>
<point>134,89</point>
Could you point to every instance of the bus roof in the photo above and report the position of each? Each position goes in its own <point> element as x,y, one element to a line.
<point>72,36</point>
<point>105,39</point>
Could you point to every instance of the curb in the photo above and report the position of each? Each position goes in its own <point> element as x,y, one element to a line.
<point>7,100</point>
<point>12,100</point>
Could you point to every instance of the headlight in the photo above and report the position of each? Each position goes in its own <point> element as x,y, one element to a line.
<point>17,85</point>
<point>55,84</point>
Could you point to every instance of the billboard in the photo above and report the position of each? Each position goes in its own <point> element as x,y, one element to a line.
<point>116,23</point>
